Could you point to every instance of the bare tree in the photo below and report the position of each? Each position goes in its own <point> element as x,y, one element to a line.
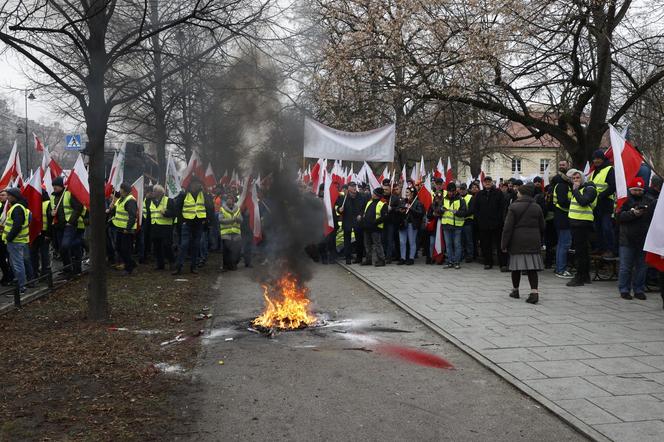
<point>90,49</point>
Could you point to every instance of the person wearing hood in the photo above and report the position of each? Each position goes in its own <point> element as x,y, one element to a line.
<point>604,178</point>
<point>161,213</point>
<point>522,238</point>
<point>68,226</point>
<point>230,220</point>
<point>39,249</point>
<point>581,222</point>
<point>634,218</point>
<point>16,235</point>
<point>562,195</point>
<point>7,273</point>
<point>374,215</point>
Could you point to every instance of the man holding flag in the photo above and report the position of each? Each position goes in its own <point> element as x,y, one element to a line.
<point>68,213</point>
<point>125,219</point>
<point>604,178</point>
<point>16,235</point>
<point>192,214</point>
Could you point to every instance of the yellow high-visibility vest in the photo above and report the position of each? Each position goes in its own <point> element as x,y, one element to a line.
<point>232,228</point>
<point>379,207</point>
<point>555,198</point>
<point>579,212</point>
<point>156,217</point>
<point>448,217</point>
<point>599,179</point>
<point>24,234</point>
<point>194,208</point>
<point>46,207</point>
<point>121,217</point>
<point>467,199</point>
<point>66,204</point>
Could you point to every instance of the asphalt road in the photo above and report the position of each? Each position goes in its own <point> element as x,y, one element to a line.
<point>338,383</point>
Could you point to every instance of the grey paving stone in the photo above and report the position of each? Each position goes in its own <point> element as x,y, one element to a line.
<point>587,411</point>
<point>564,369</point>
<point>521,370</point>
<point>511,355</point>
<point>633,407</point>
<point>565,352</point>
<point>654,348</point>
<point>648,431</point>
<point>653,361</point>
<point>619,365</point>
<point>612,350</point>
<point>566,388</point>
<point>626,384</point>
<point>515,341</point>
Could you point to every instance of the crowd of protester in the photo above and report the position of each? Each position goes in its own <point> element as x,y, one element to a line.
<point>518,227</point>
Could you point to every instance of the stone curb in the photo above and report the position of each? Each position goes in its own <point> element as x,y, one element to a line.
<point>576,423</point>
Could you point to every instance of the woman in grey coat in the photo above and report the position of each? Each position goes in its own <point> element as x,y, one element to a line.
<point>522,239</point>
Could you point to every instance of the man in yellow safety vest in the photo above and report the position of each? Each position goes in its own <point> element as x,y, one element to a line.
<point>160,212</point>
<point>39,249</point>
<point>16,235</point>
<point>192,209</point>
<point>68,213</point>
<point>230,220</point>
<point>604,178</point>
<point>581,219</point>
<point>125,219</point>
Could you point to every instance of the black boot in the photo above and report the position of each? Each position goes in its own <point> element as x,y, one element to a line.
<point>514,294</point>
<point>532,298</point>
<point>177,271</point>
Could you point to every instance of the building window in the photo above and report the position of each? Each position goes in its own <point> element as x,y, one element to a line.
<point>516,165</point>
<point>544,163</point>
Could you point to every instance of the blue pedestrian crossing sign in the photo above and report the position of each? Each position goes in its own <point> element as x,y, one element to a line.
<point>73,142</point>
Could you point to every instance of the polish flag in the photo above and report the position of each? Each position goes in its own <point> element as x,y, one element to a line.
<point>384,176</point>
<point>351,175</point>
<point>482,176</point>
<point>108,187</point>
<point>39,146</point>
<point>318,175</point>
<point>440,170</point>
<point>306,177</point>
<point>654,245</point>
<point>438,252</point>
<point>414,175</point>
<point>49,163</point>
<point>545,178</point>
<point>587,169</point>
<point>371,178</point>
<point>626,161</point>
<point>12,169</point>
<point>47,181</point>
<point>404,185</point>
<point>235,178</point>
<point>137,192</point>
<point>330,195</point>
<point>449,175</point>
<point>422,172</point>
<point>194,168</point>
<point>77,182</point>
<point>33,194</point>
<point>209,181</point>
<point>425,194</point>
<point>249,202</point>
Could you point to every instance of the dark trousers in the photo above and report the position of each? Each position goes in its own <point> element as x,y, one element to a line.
<point>125,242</point>
<point>163,248</point>
<point>550,240</point>
<point>7,273</point>
<point>388,240</point>
<point>490,240</point>
<point>231,252</point>
<point>581,244</point>
<point>190,243</point>
<point>359,243</point>
<point>247,248</point>
<point>373,247</point>
<point>327,249</point>
<point>39,253</point>
<point>71,248</point>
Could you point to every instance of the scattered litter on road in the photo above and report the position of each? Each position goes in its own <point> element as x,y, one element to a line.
<point>339,331</point>
<point>174,319</point>
<point>181,280</point>
<point>364,349</point>
<point>168,368</point>
<point>181,338</point>
<point>202,316</point>
<point>228,339</point>
<point>253,330</point>
<point>147,332</point>
<point>205,309</point>
<point>221,362</point>
<point>118,328</point>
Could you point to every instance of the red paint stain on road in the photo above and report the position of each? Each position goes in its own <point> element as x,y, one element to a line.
<point>415,356</point>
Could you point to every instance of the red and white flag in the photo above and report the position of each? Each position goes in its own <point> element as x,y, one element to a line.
<point>49,163</point>
<point>12,169</point>
<point>440,170</point>
<point>425,194</point>
<point>422,171</point>
<point>108,187</point>
<point>249,202</point>
<point>414,174</point>
<point>404,184</point>
<point>209,181</point>
<point>194,168</point>
<point>587,170</point>
<point>330,195</point>
<point>351,175</point>
<point>78,184</point>
<point>385,175</point>
<point>449,175</point>
<point>371,177</point>
<point>438,253</point>
<point>33,195</point>
<point>482,176</point>
<point>654,245</point>
<point>318,175</point>
<point>39,146</point>
<point>626,161</point>
<point>137,192</point>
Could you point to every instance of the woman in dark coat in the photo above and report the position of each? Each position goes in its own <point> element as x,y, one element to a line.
<point>522,233</point>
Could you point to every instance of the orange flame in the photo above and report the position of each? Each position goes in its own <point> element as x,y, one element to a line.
<point>286,305</point>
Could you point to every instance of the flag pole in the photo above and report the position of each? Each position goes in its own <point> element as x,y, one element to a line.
<point>62,197</point>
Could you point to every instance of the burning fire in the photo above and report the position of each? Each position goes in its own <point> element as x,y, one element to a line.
<point>286,305</point>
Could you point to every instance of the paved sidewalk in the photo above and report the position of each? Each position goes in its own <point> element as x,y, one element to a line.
<point>593,358</point>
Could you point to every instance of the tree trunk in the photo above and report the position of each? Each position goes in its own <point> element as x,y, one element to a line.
<point>158,103</point>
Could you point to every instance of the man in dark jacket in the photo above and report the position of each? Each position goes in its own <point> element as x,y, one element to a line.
<point>372,223</point>
<point>125,219</point>
<point>193,210</point>
<point>634,218</point>
<point>351,208</point>
<point>16,236</point>
<point>161,212</point>
<point>39,249</point>
<point>604,179</point>
<point>327,247</point>
<point>489,217</point>
<point>562,194</point>
<point>581,221</point>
